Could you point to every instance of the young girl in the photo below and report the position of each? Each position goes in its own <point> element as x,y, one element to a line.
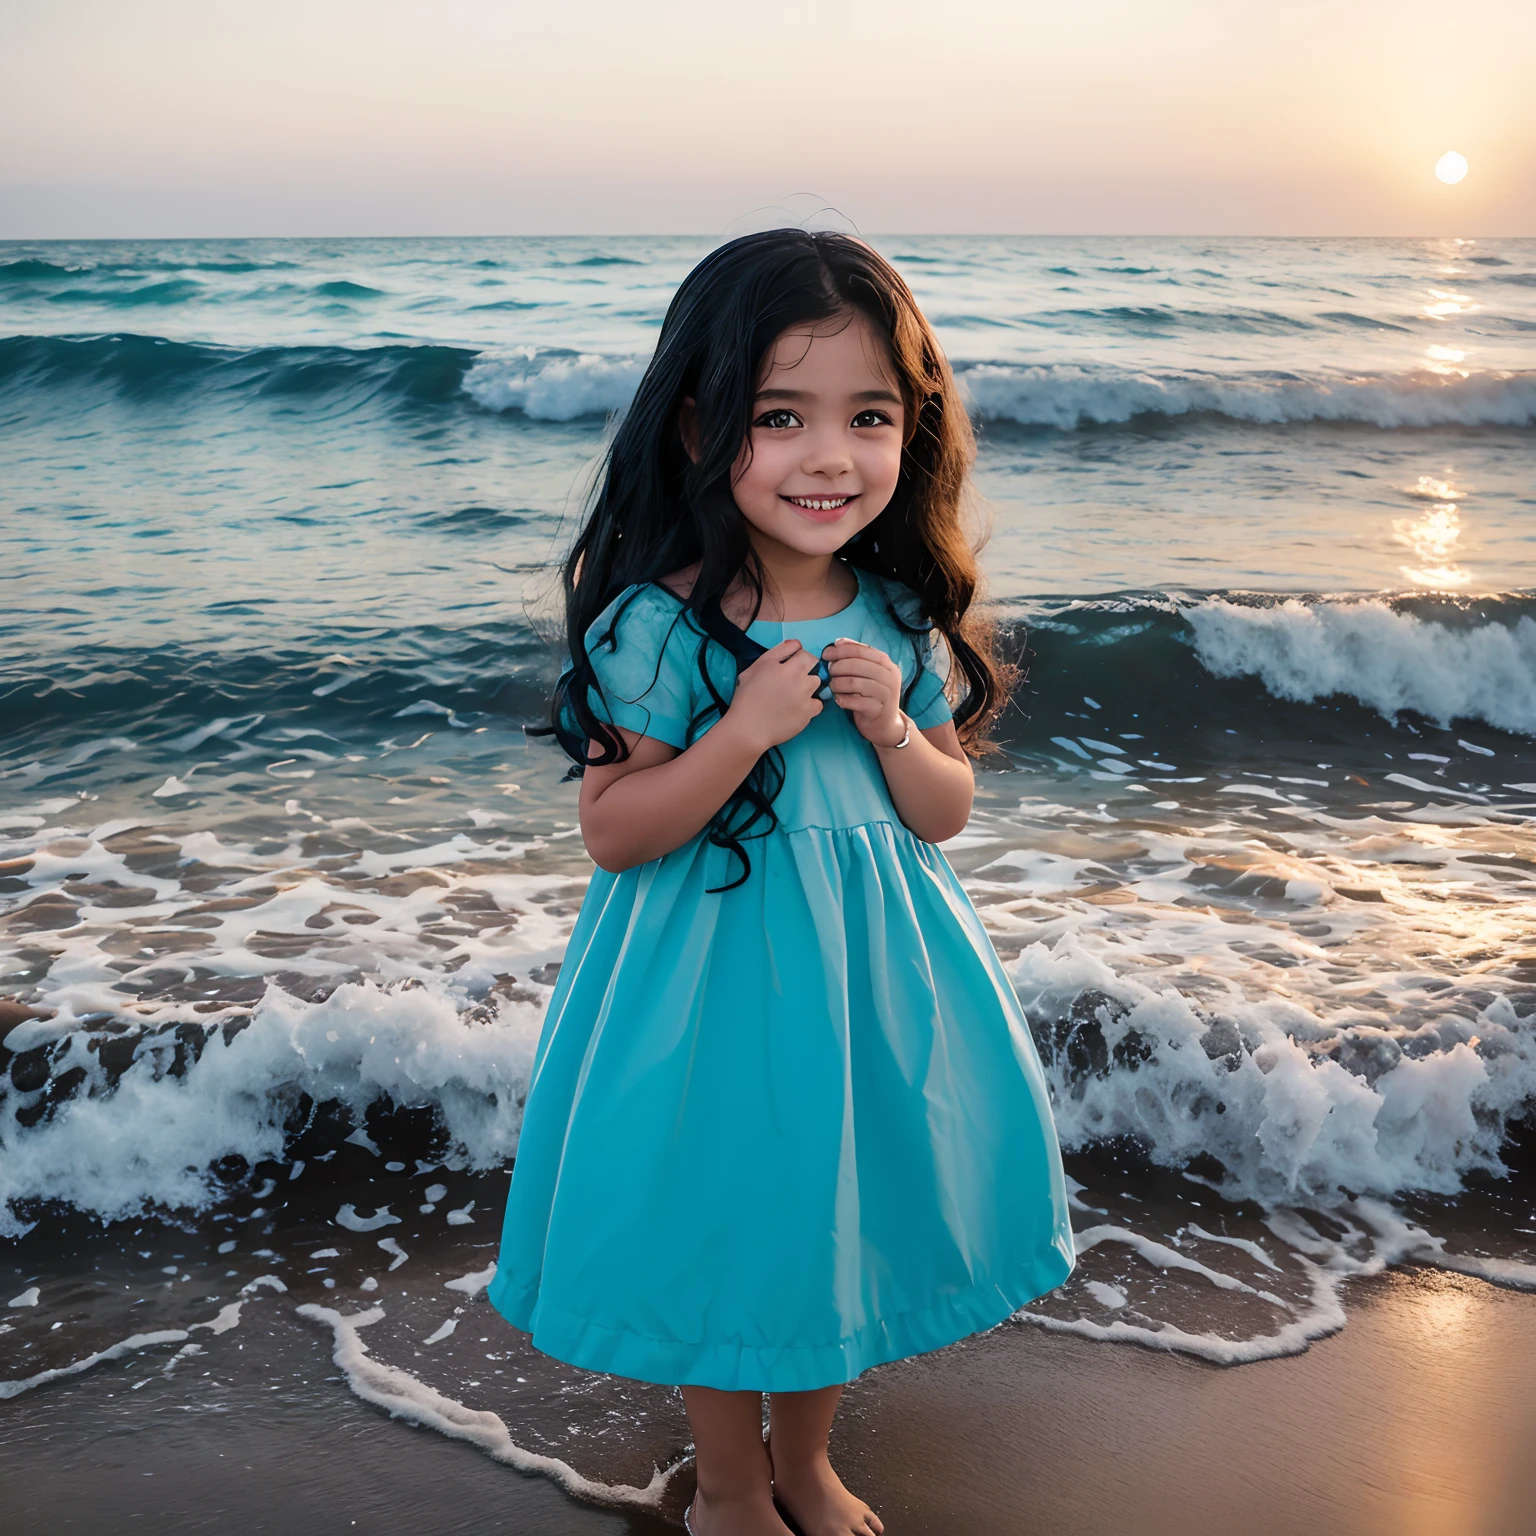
<point>786,1119</point>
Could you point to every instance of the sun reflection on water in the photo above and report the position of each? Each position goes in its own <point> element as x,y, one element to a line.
<point>1447,304</point>
<point>1430,488</point>
<point>1433,535</point>
<point>1443,360</point>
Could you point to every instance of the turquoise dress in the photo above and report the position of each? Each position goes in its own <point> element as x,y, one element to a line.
<point>782,1134</point>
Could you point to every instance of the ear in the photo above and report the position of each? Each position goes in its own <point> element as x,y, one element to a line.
<point>688,426</point>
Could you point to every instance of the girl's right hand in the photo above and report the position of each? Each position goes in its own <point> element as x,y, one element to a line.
<point>775,697</point>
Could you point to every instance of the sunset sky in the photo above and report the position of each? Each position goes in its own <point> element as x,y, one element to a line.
<point>184,117</point>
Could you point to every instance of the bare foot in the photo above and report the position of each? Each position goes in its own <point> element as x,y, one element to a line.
<point>815,1496</point>
<point>749,1515</point>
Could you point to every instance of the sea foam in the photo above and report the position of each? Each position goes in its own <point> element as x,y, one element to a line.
<point>1372,1238</point>
<point>154,1138</point>
<point>404,1396</point>
<point>1068,396</point>
<point>1257,1083</point>
<point>552,385</point>
<point>1390,661</point>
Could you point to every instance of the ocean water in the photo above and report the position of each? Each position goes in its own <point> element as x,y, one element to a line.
<point>279,868</point>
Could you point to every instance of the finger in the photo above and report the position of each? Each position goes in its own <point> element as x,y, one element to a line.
<point>783,650</point>
<point>887,672</point>
<point>846,647</point>
<point>858,666</point>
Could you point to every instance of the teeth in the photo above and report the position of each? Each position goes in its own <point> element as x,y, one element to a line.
<point>820,503</point>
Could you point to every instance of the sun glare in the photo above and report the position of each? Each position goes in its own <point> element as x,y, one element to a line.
<point>1451,167</point>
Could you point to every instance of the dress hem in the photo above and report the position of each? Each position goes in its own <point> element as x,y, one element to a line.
<point>736,1367</point>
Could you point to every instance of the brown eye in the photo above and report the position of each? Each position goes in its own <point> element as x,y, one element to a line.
<point>776,420</point>
<point>871,418</point>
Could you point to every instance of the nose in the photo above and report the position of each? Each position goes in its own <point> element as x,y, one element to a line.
<point>827,453</point>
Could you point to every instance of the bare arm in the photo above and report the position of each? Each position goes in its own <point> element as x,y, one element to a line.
<point>658,798</point>
<point>930,778</point>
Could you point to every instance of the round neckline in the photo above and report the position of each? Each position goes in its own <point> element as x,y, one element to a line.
<point>847,608</point>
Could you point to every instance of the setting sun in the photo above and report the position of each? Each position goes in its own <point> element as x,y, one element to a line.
<point>1451,167</point>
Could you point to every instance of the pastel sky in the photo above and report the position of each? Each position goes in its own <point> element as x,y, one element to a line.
<point>188,117</point>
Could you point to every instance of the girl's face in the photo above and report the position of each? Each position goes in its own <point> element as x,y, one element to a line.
<point>824,453</point>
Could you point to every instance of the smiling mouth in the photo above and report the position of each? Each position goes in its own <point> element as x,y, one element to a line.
<point>819,506</point>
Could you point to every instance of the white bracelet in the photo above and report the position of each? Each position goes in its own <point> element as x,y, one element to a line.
<point>896,746</point>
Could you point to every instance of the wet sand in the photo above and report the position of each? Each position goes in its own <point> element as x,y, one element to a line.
<point>1419,1417</point>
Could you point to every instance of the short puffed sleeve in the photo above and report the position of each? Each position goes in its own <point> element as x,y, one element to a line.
<point>927,705</point>
<point>921,654</point>
<point>643,651</point>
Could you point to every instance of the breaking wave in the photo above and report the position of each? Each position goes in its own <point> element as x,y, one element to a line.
<point>1336,665</point>
<point>1067,397</point>
<point>1390,661</point>
<point>554,386</point>
<point>557,384</point>
<point>130,1115</point>
<point>1282,1102</point>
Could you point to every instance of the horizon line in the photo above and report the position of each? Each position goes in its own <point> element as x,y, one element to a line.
<point>658,234</point>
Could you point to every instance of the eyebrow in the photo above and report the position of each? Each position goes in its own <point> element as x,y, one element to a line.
<point>805,394</point>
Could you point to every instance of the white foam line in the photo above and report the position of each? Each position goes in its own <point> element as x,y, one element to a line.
<point>1325,1317</point>
<point>403,1396</point>
<point>1163,1257</point>
<point>228,1317</point>
<point>116,1351</point>
<point>1506,1272</point>
<point>1235,1242</point>
<point>1392,1239</point>
<point>1398,1241</point>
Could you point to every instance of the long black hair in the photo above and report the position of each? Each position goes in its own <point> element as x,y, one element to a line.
<point>659,509</point>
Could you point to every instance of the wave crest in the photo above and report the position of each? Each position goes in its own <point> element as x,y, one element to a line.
<point>151,1130</point>
<point>1067,397</point>
<point>1295,1107</point>
<point>556,384</point>
<point>551,385</point>
<point>1392,662</point>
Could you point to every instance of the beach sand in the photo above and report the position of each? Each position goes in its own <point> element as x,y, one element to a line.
<point>1418,1417</point>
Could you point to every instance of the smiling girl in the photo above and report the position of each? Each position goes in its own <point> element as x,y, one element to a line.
<point>786,1120</point>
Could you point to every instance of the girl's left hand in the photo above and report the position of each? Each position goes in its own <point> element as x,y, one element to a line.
<point>867,683</point>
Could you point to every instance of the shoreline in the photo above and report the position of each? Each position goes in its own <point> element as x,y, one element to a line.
<point>1418,1416</point>
<point>237,1405</point>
